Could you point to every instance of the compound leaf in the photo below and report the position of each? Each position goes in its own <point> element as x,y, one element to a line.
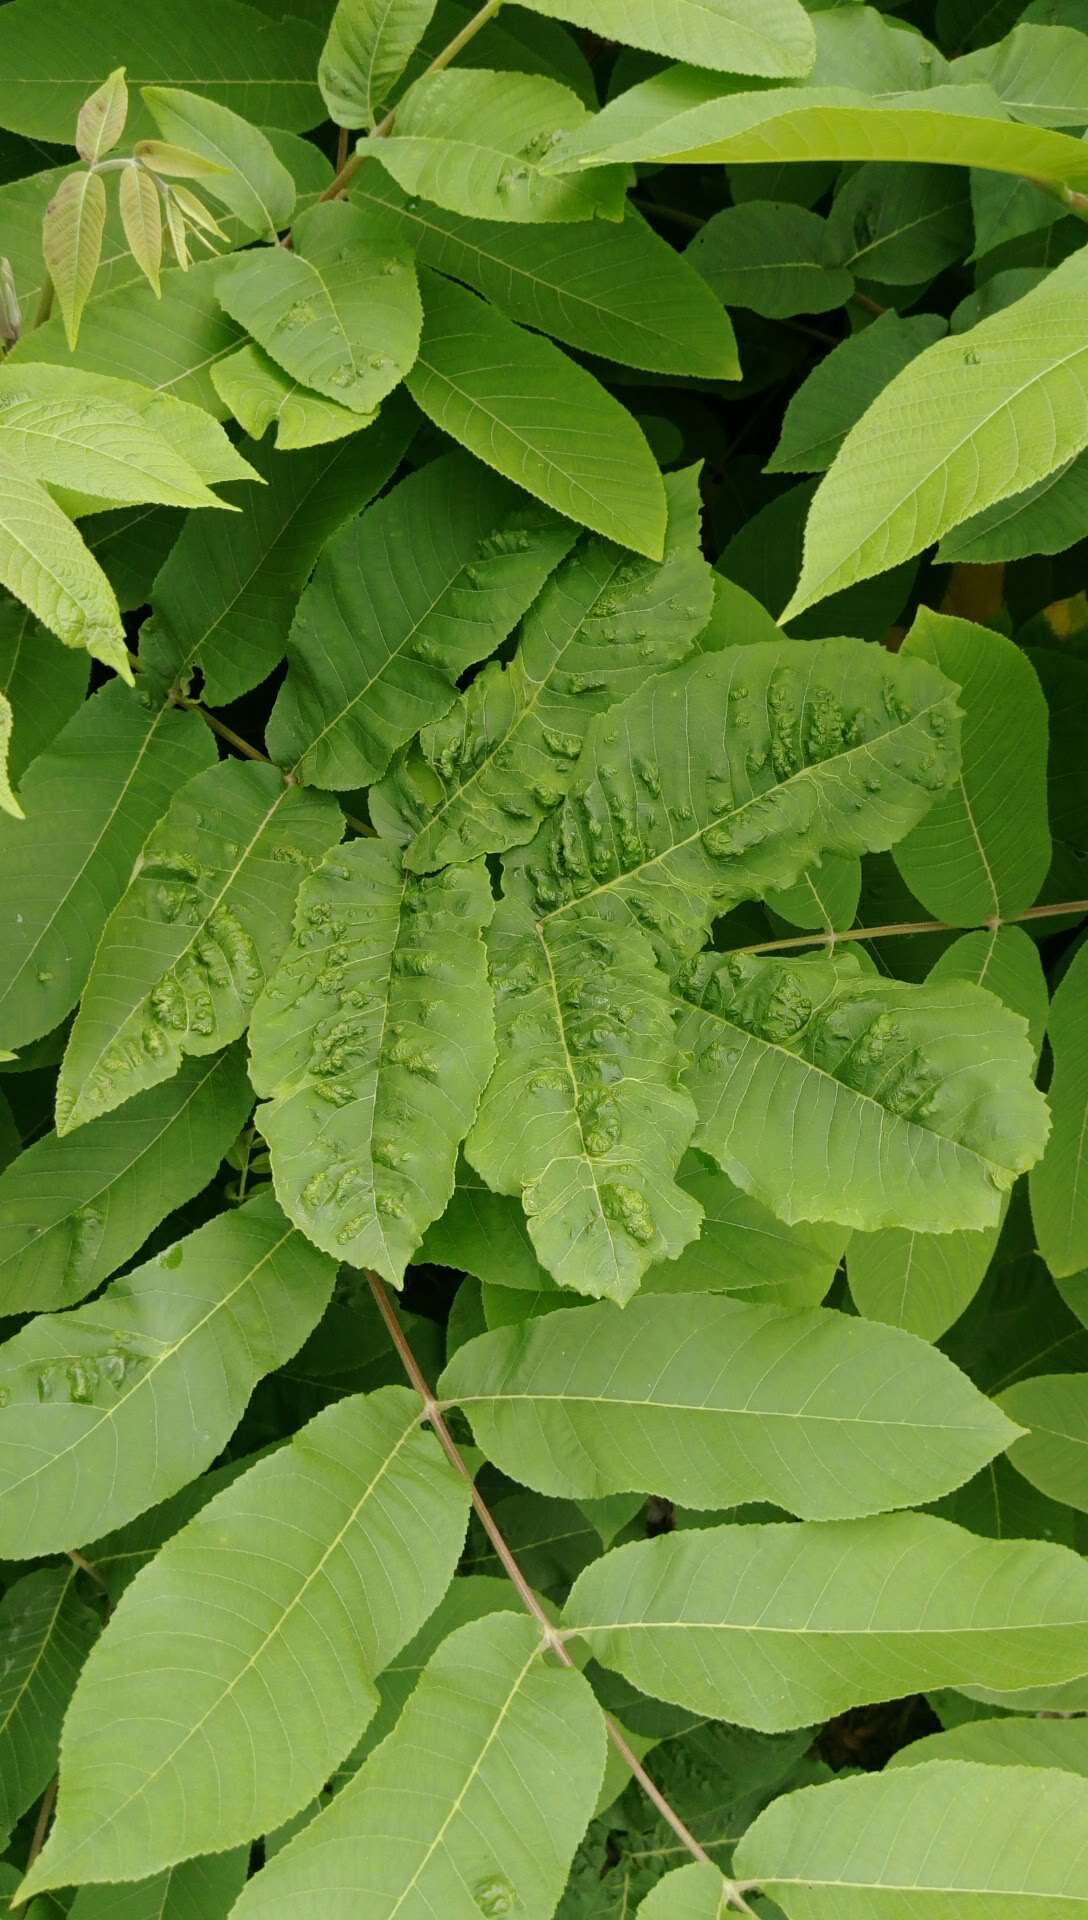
<point>372,1042</point>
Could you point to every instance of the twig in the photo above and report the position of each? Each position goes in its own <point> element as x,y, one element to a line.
<point>86,1566</point>
<point>343,147</point>
<point>433,1414</point>
<point>831,938</point>
<point>221,728</point>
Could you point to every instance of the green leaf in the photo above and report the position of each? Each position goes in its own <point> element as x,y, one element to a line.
<point>610,287</point>
<point>475,142</point>
<point>1045,518</point>
<point>696,1892</point>
<point>746,1249</point>
<point>768,37</point>
<point>8,801</point>
<point>91,800</point>
<point>195,1890</point>
<point>96,447</point>
<point>198,931</point>
<point>72,243</point>
<point>484,1234</point>
<point>833,397</point>
<point>225,598</point>
<point>709,1402</point>
<point>433,577</point>
<point>675,815</point>
<point>511,42</point>
<point>72,1212</point>
<point>259,69</point>
<point>690,117</point>
<point>259,395</point>
<point>102,1399</point>
<point>255,184</point>
<point>954,1838</point>
<point>832,1094</point>
<point>483,777</point>
<point>45,564</point>
<point>973,419</point>
<point>1053,1453</point>
<point>520,405</point>
<point>372,1043</point>
<point>826,896</point>
<point>1006,1742</point>
<point>779,1626</point>
<point>983,850</point>
<point>141,217</point>
<point>340,312</point>
<point>44,683</point>
<point>369,45</point>
<point>101,119</point>
<point>47,1633</point>
<point>770,256</point>
<point>473,1805</point>
<point>900,225</point>
<point>1059,1193</point>
<point>1041,74</point>
<point>583,1115</point>
<point>307,1544</point>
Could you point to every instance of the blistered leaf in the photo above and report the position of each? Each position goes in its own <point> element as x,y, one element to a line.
<point>583,1115</point>
<point>777,1626</point>
<point>832,1093</point>
<point>372,1043</point>
<point>73,1211</point>
<point>483,777</point>
<point>339,312</point>
<point>197,933</point>
<point>769,37</point>
<point>369,45</point>
<point>518,403</point>
<point>99,1410</point>
<point>72,243</point>
<point>249,178</point>
<point>475,142</point>
<point>712,1403</point>
<point>955,1838</point>
<point>141,217</point>
<point>47,1633</point>
<point>101,119</point>
<point>473,1805</point>
<point>611,287</point>
<point>310,1544</point>
<point>732,774</point>
<point>433,577</point>
<point>260,395</point>
<point>1059,1191</point>
<point>91,799</point>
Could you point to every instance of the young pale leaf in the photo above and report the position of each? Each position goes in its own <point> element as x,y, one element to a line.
<point>709,1402</point>
<point>1059,1191</point>
<point>732,774</point>
<point>833,1094</point>
<point>482,778</point>
<point>141,217</point>
<point>431,579</point>
<point>91,801</point>
<point>72,243</point>
<point>47,1633</point>
<point>610,287</point>
<point>770,256</point>
<point>340,312</point>
<point>843,384</point>
<point>306,1547</point>
<point>101,119</point>
<point>1041,74</point>
<point>174,162</point>
<point>745,1249</point>
<point>260,395</point>
<point>973,419</point>
<point>946,1838</point>
<point>520,405</point>
<point>225,598</point>
<point>72,1212</point>
<point>474,143</point>
<point>372,1043</point>
<point>779,1626</point>
<point>194,1890</point>
<point>583,1115</point>
<point>100,1402</point>
<point>689,117</point>
<point>369,45</point>
<point>1045,518</point>
<point>198,931</point>
<point>473,1805</point>
<point>260,69</point>
<point>252,181</point>
<point>1053,1454</point>
<point>983,850</point>
<point>773,38</point>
